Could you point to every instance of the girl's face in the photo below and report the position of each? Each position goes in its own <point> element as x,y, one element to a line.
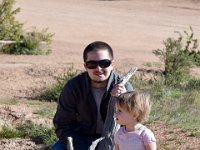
<point>123,117</point>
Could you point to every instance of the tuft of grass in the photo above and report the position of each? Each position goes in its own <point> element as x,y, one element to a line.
<point>46,111</point>
<point>148,64</point>
<point>153,64</point>
<point>8,133</point>
<point>193,84</point>
<point>52,93</point>
<point>8,101</point>
<point>37,133</point>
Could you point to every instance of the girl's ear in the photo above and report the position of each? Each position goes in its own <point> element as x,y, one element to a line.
<point>135,115</point>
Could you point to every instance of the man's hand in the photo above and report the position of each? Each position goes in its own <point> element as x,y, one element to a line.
<point>117,90</point>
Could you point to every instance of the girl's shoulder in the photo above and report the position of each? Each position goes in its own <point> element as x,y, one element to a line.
<point>147,135</point>
<point>144,129</point>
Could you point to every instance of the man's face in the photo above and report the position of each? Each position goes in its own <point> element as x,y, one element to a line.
<point>100,72</point>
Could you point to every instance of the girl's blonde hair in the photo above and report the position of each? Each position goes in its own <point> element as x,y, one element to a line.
<point>136,103</point>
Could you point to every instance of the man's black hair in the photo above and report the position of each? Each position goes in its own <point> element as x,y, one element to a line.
<point>95,46</point>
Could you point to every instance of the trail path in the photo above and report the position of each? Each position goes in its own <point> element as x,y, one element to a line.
<point>133,28</point>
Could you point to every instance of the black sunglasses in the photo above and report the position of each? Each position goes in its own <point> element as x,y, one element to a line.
<point>102,63</point>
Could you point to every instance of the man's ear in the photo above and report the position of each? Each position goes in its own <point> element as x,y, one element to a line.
<point>85,66</point>
<point>113,63</point>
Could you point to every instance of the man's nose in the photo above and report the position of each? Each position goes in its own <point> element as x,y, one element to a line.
<point>98,67</point>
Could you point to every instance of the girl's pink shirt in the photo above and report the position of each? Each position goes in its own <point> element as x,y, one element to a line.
<point>134,140</point>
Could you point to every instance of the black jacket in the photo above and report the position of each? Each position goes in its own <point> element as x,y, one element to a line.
<point>77,110</point>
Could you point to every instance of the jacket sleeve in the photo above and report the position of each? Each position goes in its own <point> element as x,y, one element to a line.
<point>65,116</point>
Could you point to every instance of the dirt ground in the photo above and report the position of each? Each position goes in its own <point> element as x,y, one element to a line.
<point>133,28</point>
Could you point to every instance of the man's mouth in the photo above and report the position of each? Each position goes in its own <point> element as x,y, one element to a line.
<point>98,74</point>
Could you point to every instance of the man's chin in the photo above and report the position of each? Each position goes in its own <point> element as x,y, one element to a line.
<point>98,81</point>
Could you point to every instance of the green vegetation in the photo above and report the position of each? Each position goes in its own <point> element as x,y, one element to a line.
<point>8,133</point>
<point>179,108</point>
<point>36,132</point>
<point>9,101</point>
<point>10,29</point>
<point>52,93</point>
<point>46,110</point>
<point>175,97</point>
<point>175,107</point>
<point>152,64</point>
<point>19,41</point>
<point>175,94</point>
<point>179,55</point>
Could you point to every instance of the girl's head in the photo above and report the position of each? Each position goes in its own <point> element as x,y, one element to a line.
<point>135,103</point>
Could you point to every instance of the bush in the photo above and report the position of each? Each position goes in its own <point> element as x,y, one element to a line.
<point>179,55</point>
<point>30,43</point>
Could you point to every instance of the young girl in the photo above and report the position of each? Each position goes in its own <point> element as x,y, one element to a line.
<point>131,109</point>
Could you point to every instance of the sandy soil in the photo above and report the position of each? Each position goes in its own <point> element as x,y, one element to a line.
<point>133,28</point>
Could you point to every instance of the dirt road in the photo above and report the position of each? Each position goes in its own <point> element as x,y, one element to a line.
<point>132,27</point>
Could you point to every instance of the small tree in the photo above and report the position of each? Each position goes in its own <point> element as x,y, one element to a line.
<point>179,55</point>
<point>21,42</point>
<point>10,29</point>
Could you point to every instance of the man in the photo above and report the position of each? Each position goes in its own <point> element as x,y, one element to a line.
<point>83,103</point>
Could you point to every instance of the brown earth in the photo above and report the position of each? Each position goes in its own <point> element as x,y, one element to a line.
<point>133,28</point>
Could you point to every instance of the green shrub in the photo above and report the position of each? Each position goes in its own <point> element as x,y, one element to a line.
<point>11,101</point>
<point>10,29</point>
<point>30,43</point>
<point>179,55</point>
